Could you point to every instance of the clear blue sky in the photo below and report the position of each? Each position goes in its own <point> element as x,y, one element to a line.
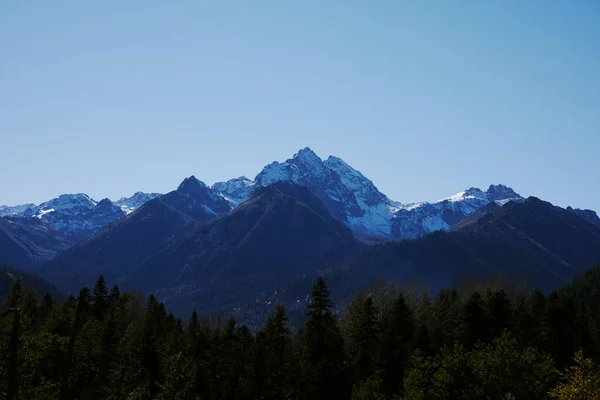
<point>426,98</point>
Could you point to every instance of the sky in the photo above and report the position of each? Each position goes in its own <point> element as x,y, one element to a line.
<point>425,98</point>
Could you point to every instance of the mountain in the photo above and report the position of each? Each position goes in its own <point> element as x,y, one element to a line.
<point>282,232</point>
<point>27,242</point>
<point>122,244</point>
<point>529,240</point>
<point>588,215</point>
<point>348,195</point>
<point>529,243</point>
<point>418,219</point>
<point>169,247</point>
<point>130,204</point>
<point>75,215</point>
<point>78,215</point>
<point>355,200</point>
<point>235,190</point>
<point>12,210</point>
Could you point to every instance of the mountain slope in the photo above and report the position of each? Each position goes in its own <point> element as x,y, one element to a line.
<point>12,210</point>
<point>280,233</point>
<point>347,194</point>
<point>130,204</point>
<point>119,246</point>
<point>416,220</point>
<point>235,190</point>
<point>75,215</point>
<point>27,243</point>
<point>588,215</point>
<point>531,242</point>
<point>355,200</point>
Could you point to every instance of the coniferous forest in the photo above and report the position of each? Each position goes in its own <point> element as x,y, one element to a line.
<point>396,344</point>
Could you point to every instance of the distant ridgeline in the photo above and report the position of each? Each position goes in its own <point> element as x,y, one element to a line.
<point>387,344</point>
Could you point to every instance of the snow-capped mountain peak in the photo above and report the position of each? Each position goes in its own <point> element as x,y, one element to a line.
<point>418,219</point>
<point>501,192</point>
<point>130,204</point>
<point>471,193</point>
<point>235,190</point>
<point>308,162</point>
<point>67,201</point>
<point>354,199</point>
<point>348,195</point>
<point>75,214</point>
<point>276,172</point>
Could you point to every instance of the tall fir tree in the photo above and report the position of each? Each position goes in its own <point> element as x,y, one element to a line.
<point>324,375</point>
<point>397,332</point>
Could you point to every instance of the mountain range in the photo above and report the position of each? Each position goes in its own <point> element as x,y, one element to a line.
<point>348,195</point>
<point>246,245</point>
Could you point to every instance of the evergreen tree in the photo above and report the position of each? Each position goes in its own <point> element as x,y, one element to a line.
<point>274,358</point>
<point>363,339</point>
<point>499,309</point>
<point>476,321</point>
<point>16,294</point>
<point>100,298</point>
<point>323,353</point>
<point>151,343</point>
<point>398,329</point>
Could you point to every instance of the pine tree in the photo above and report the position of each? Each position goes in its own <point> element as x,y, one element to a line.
<point>323,353</point>
<point>100,298</point>
<point>363,340</point>
<point>274,358</point>
<point>16,294</point>
<point>499,308</point>
<point>445,320</point>
<point>81,316</point>
<point>398,329</point>
<point>476,321</point>
<point>151,338</point>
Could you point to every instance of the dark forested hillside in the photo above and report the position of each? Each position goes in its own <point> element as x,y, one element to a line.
<point>29,281</point>
<point>485,344</point>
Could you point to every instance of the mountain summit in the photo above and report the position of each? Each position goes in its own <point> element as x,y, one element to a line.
<point>347,194</point>
<point>353,198</point>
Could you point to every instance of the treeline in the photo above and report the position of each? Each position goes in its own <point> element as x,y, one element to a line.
<point>106,344</point>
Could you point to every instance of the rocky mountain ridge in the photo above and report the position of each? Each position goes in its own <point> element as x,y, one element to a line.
<point>348,195</point>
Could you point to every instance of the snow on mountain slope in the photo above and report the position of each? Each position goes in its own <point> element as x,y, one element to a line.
<point>75,215</point>
<point>356,201</point>
<point>130,204</point>
<point>12,210</point>
<point>349,196</point>
<point>234,190</point>
<point>418,219</point>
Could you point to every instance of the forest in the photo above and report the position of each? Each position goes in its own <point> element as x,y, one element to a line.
<point>488,343</point>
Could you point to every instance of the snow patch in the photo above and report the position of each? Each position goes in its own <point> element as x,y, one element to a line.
<point>41,213</point>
